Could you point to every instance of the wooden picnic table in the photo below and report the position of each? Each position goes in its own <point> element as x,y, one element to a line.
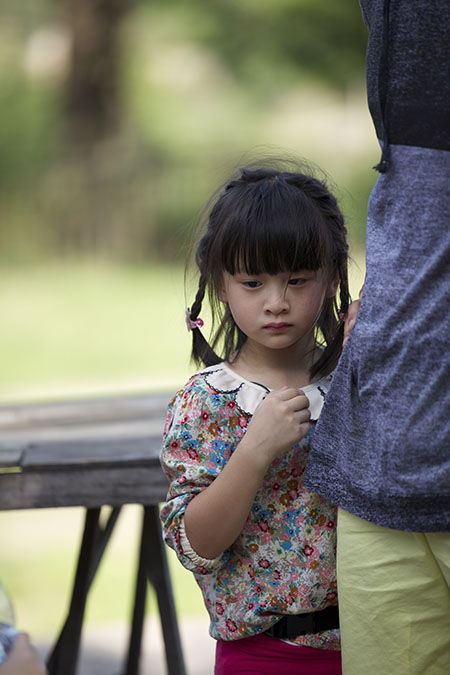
<point>95,453</point>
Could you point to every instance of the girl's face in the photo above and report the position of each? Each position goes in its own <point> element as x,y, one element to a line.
<point>278,311</point>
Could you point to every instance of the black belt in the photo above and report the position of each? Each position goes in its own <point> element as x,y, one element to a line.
<point>291,625</point>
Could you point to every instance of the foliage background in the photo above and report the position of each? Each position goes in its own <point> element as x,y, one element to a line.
<point>120,170</point>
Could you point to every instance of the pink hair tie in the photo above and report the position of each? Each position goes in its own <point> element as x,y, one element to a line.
<point>190,323</point>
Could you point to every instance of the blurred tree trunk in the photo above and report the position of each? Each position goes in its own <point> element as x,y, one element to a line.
<point>92,116</point>
<point>93,99</point>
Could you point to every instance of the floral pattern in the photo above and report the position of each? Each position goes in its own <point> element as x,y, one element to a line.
<point>283,562</point>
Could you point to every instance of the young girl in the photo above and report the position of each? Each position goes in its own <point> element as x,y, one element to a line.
<point>236,440</point>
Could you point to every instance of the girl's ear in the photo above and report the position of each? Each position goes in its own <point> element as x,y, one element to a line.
<point>333,286</point>
<point>222,294</point>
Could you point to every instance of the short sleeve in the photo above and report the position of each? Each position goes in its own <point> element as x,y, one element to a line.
<point>196,444</point>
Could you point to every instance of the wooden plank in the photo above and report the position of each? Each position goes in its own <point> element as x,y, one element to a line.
<point>87,432</point>
<point>88,487</point>
<point>82,453</point>
<point>83,411</point>
<point>71,455</point>
<point>11,455</point>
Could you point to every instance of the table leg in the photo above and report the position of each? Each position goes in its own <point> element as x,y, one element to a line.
<point>140,596</point>
<point>63,659</point>
<point>158,574</point>
<point>152,567</point>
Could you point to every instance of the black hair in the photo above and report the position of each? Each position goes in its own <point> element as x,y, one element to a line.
<point>269,220</point>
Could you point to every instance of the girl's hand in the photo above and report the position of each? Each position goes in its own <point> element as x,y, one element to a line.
<point>352,314</point>
<point>280,421</point>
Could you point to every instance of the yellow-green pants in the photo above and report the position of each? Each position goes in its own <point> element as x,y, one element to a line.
<point>394,599</point>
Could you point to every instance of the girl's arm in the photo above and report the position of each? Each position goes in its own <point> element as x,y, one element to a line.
<point>216,516</point>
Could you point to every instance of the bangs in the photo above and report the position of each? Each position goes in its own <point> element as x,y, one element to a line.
<point>272,227</point>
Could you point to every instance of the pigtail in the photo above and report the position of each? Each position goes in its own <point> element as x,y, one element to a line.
<point>331,325</point>
<point>201,353</point>
<point>344,293</point>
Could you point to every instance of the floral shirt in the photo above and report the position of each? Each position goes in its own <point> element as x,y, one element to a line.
<point>283,562</point>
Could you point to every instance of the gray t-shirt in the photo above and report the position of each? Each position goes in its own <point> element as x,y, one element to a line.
<point>382,444</point>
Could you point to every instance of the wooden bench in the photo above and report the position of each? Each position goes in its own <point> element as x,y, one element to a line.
<point>94,453</point>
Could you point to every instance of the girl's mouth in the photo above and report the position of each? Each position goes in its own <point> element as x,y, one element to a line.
<point>277,327</point>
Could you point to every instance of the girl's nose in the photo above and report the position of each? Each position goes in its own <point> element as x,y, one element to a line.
<point>275,301</point>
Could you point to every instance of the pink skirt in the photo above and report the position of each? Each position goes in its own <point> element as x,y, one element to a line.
<point>261,654</point>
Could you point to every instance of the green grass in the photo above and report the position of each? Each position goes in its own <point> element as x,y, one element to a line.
<point>81,328</point>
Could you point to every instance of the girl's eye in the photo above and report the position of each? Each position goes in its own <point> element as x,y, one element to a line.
<point>296,281</point>
<point>251,284</point>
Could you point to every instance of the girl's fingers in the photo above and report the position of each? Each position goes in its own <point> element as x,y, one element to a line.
<point>304,428</point>
<point>289,394</point>
<point>286,393</point>
<point>304,415</point>
<point>294,400</point>
<point>302,423</point>
<point>299,402</point>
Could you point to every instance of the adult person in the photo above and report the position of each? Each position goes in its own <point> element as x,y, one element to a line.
<point>386,464</point>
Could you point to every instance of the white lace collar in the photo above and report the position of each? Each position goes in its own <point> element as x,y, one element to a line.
<point>249,394</point>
